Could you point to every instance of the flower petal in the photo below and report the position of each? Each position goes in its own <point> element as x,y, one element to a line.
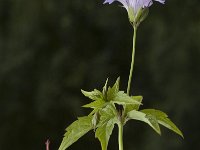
<point>146,3</point>
<point>161,1</point>
<point>134,6</point>
<point>124,2</point>
<point>109,1</point>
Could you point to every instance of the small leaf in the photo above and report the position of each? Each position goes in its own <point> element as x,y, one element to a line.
<point>103,134</point>
<point>122,98</point>
<point>93,112</point>
<point>95,120</point>
<point>104,92</point>
<point>96,104</point>
<point>93,95</point>
<point>163,120</point>
<point>149,119</point>
<point>170,125</point>
<point>107,113</point>
<point>157,113</point>
<point>106,125</point>
<point>75,131</point>
<point>130,107</point>
<point>113,91</point>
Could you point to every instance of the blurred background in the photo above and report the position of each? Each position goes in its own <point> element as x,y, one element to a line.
<point>49,50</point>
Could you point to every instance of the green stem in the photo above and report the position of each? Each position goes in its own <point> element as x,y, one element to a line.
<point>120,136</point>
<point>132,62</point>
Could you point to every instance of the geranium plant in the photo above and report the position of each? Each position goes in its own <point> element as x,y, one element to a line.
<point>111,105</point>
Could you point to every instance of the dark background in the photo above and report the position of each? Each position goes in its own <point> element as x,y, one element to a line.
<point>50,49</point>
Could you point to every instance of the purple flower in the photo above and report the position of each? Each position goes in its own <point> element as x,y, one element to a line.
<point>134,6</point>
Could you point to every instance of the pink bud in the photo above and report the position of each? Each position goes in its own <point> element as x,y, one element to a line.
<point>47,143</point>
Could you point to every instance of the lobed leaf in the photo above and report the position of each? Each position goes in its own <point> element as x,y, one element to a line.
<point>103,134</point>
<point>95,120</point>
<point>106,125</point>
<point>96,104</point>
<point>107,113</point>
<point>130,107</point>
<point>93,95</point>
<point>75,131</point>
<point>111,93</point>
<point>163,119</point>
<point>149,119</point>
<point>104,91</point>
<point>122,98</point>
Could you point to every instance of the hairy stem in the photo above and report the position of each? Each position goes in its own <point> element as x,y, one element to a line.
<point>120,136</point>
<point>132,62</point>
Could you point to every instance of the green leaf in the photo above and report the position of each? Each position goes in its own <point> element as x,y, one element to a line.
<point>149,119</point>
<point>93,95</point>
<point>95,120</point>
<point>104,92</point>
<point>107,113</point>
<point>103,134</point>
<point>170,125</point>
<point>163,120</point>
<point>130,107</point>
<point>122,98</point>
<point>96,104</point>
<point>75,131</point>
<point>106,125</point>
<point>111,93</point>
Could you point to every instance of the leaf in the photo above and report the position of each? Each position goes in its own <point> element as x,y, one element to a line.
<point>75,131</point>
<point>96,104</point>
<point>106,125</point>
<point>149,119</point>
<point>93,95</point>
<point>93,112</point>
<point>95,120</point>
<point>103,134</point>
<point>130,107</point>
<point>107,113</point>
<point>122,98</point>
<point>163,120</point>
<point>170,125</point>
<point>111,93</point>
<point>104,92</point>
<point>157,113</point>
